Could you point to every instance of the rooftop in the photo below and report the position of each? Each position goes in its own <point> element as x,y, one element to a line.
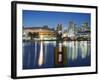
<point>46,28</point>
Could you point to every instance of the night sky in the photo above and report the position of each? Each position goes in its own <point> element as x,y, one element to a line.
<point>33,18</point>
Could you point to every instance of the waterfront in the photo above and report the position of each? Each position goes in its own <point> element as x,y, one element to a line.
<point>40,54</point>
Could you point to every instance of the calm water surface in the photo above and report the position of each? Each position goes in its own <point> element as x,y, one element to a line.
<point>41,54</point>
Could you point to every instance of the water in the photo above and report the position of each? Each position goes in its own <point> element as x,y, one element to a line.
<point>41,54</point>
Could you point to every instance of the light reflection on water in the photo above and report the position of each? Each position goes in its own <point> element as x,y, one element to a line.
<point>78,54</point>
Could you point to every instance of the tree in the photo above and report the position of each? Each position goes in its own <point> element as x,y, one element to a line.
<point>30,35</point>
<point>36,35</point>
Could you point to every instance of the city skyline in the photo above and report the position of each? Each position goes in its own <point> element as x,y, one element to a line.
<point>68,47</point>
<point>40,18</point>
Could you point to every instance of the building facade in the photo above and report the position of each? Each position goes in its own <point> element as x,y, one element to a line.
<point>45,32</point>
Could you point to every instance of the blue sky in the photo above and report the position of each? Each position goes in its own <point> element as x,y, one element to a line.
<point>39,18</point>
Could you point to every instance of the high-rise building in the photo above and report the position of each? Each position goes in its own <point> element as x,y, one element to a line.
<point>72,30</point>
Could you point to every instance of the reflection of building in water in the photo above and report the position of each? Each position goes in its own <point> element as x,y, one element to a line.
<point>75,49</point>
<point>84,49</point>
<point>45,31</point>
<point>72,50</point>
<point>41,55</point>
